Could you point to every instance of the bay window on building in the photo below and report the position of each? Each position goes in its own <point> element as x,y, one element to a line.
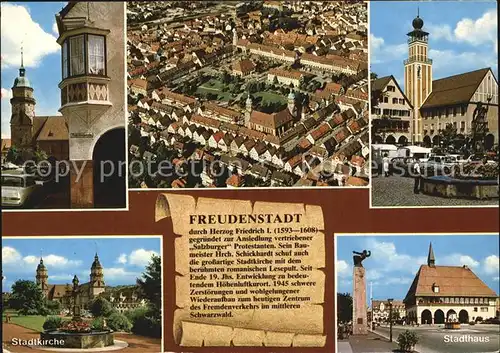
<point>84,54</point>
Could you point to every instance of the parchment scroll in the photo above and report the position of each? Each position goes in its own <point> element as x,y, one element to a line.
<point>247,275</point>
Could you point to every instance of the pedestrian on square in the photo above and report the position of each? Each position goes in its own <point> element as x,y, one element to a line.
<point>385,165</point>
<point>417,175</point>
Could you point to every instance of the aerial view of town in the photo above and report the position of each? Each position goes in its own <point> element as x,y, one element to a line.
<point>247,94</point>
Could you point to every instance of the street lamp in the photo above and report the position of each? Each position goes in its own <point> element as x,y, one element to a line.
<point>390,318</point>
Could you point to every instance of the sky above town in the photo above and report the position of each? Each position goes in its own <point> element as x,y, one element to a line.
<point>123,259</point>
<point>462,36</point>
<point>31,25</point>
<point>395,260</point>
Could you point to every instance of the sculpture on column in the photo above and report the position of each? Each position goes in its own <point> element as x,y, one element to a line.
<point>480,126</point>
<point>76,305</point>
<point>359,257</point>
<point>359,317</point>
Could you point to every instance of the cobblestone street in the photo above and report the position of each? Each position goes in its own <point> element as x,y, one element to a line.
<point>398,191</point>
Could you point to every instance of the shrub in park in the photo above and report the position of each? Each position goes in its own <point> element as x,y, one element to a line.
<point>52,323</point>
<point>101,307</point>
<point>136,313</point>
<point>119,322</point>
<point>147,325</point>
<point>97,324</point>
<point>407,341</point>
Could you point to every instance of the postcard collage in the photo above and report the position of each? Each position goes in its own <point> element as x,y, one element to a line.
<point>250,176</point>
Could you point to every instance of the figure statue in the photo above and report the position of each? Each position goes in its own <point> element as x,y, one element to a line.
<point>359,257</point>
<point>479,125</point>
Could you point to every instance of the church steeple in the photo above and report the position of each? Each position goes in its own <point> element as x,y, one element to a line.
<point>96,277</point>
<point>42,277</point>
<point>431,260</point>
<point>23,109</point>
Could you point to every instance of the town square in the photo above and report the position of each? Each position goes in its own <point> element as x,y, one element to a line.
<point>418,293</point>
<point>434,104</point>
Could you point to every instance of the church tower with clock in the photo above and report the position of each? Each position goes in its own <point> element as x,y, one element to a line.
<point>23,110</point>
<point>418,75</point>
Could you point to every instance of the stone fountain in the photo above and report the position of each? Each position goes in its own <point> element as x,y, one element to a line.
<point>77,333</point>
<point>475,180</point>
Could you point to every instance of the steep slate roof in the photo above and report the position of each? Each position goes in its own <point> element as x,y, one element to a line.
<point>54,128</point>
<point>452,281</point>
<point>380,83</point>
<point>56,291</point>
<point>455,89</point>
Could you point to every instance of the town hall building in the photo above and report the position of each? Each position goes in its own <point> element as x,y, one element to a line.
<point>435,103</point>
<point>440,294</point>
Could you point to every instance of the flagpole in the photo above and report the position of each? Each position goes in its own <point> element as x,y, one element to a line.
<point>371,305</point>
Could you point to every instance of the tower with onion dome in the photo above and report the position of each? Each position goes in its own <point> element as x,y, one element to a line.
<point>23,110</point>
<point>418,74</point>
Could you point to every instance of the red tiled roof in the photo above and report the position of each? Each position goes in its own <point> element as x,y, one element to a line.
<point>179,97</point>
<point>235,180</point>
<point>272,121</point>
<point>320,131</point>
<point>293,74</point>
<point>452,281</point>
<point>243,66</point>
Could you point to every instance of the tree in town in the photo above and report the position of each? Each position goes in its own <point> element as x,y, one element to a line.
<point>373,76</point>
<point>53,306</point>
<point>40,155</point>
<point>27,298</point>
<point>150,283</point>
<point>395,315</point>
<point>344,307</point>
<point>100,307</point>
<point>13,155</point>
<point>448,135</point>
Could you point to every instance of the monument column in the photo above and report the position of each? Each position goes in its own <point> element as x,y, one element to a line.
<point>359,319</point>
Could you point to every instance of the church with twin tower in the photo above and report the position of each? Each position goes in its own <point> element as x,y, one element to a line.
<point>63,292</point>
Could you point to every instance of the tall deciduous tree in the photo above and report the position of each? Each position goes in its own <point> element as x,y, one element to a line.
<point>27,298</point>
<point>150,283</point>
<point>344,307</point>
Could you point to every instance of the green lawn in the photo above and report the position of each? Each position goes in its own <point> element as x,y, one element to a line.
<point>215,86</point>
<point>34,322</point>
<point>270,97</point>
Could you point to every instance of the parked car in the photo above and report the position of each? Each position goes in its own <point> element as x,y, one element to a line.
<point>19,189</point>
<point>492,320</point>
<point>479,158</point>
<point>455,158</point>
<point>401,166</point>
<point>438,165</point>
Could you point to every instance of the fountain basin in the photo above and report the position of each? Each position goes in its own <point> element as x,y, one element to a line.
<point>82,340</point>
<point>446,186</point>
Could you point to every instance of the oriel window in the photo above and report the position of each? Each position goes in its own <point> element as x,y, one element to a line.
<point>76,55</point>
<point>96,55</point>
<point>84,54</point>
